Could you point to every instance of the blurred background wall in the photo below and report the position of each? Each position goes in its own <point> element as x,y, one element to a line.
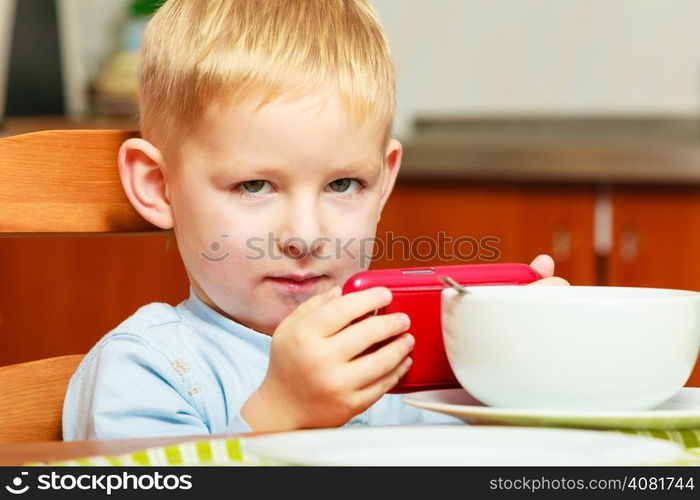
<point>483,57</point>
<point>633,57</point>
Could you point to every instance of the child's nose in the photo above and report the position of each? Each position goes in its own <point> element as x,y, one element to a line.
<point>298,248</point>
<point>302,233</point>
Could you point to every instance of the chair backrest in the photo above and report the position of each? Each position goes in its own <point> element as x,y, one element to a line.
<point>65,181</point>
<point>56,181</point>
<point>31,398</point>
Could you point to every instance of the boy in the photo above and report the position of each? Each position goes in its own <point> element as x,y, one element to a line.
<point>261,120</point>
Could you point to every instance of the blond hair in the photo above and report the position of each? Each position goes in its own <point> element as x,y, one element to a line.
<point>197,52</point>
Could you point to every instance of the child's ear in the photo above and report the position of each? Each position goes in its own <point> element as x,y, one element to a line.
<point>392,163</point>
<point>142,171</point>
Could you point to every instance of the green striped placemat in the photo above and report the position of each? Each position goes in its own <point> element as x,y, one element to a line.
<point>232,452</point>
<point>205,452</point>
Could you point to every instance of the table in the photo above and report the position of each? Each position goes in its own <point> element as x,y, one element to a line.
<point>50,451</point>
<point>227,445</point>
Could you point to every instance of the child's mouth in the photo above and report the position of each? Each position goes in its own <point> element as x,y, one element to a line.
<point>296,283</point>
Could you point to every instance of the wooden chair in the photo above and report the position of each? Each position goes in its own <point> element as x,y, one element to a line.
<point>31,398</point>
<point>56,182</point>
<point>65,181</point>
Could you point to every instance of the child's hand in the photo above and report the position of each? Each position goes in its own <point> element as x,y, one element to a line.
<point>315,377</point>
<point>544,265</point>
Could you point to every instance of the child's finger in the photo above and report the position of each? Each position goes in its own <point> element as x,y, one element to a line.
<point>543,264</point>
<point>336,314</point>
<point>367,369</point>
<point>375,390</point>
<point>358,337</point>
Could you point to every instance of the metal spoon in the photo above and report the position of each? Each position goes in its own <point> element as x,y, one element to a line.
<point>446,280</point>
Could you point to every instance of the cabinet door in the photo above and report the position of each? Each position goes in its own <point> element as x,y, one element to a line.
<point>656,237</point>
<point>656,240</point>
<point>497,223</point>
<point>59,295</point>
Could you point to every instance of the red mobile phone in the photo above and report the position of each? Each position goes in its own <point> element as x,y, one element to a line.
<point>416,292</point>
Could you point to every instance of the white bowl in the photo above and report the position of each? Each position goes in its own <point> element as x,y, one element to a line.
<point>571,347</point>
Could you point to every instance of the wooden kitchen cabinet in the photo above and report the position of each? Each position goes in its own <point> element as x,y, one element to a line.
<point>655,237</point>
<point>520,220</point>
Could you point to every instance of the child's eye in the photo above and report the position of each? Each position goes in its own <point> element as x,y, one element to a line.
<point>345,185</point>
<point>254,187</point>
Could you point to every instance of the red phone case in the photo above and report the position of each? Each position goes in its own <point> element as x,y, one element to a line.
<point>416,292</point>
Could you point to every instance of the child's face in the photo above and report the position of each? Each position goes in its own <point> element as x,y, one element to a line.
<point>294,188</point>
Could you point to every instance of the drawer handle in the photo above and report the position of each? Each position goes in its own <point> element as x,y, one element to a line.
<point>561,244</point>
<point>629,246</point>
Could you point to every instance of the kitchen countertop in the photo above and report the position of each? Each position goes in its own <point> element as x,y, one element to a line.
<point>566,150</point>
<point>564,162</point>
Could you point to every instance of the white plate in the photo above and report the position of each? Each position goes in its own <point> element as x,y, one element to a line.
<point>460,445</point>
<point>682,411</point>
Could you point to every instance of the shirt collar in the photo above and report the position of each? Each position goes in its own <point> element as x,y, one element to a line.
<point>198,308</point>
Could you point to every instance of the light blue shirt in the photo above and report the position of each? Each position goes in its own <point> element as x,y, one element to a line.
<point>183,370</point>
